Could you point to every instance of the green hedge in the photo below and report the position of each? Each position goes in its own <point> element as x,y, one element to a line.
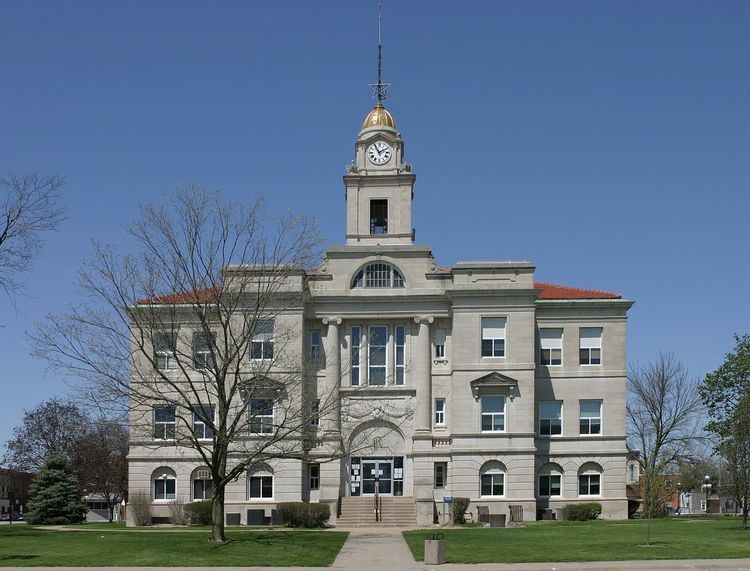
<point>458,509</point>
<point>199,513</point>
<point>302,514</point>
<point>582,512</point>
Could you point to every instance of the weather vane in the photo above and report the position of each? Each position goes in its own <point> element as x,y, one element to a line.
<point>380,88</point>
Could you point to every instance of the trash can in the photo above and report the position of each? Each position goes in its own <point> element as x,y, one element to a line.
<point>434,549</point>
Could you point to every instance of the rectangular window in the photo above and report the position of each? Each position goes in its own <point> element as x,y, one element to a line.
<point>590,346</point>
<point>400,331</point>
<point>202,484</point>
<point>439,412</point>
<point>261,345</point>
<point>313,471</point>
<point>315,351</point>
<point>589,484</point>
<point>377,354</point>
<point>703,506</point>
<point>164,489</point>
<point>165,351</point>
<point>355,353</point>
<point>201,430</point>
<point>493,336</point>
<point>315,413</point>
<point>493,484</point>
<point>379,216</point>
<point>203,344</point>
<point>550,347</point>
<point>550,418</point>
<point>260,487</point>
<point>164,422</point>
<point>549,485</point>
<point>591,417</point>
<point>261,416</point>
<point>493,414</point>
<point>440,343</point>
<point>441,474</point>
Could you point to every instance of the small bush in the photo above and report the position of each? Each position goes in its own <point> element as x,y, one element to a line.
<point>139,506</point>
<point>458,510</point>
<point>301,514</point>
<point>177,515</point>
<point>199,513</point>
<point>582,512</point>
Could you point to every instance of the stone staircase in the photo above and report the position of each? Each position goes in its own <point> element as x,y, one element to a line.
<point>360,512</point>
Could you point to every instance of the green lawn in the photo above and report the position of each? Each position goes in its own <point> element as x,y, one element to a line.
<point>591,541</point>
<point>96,546</point>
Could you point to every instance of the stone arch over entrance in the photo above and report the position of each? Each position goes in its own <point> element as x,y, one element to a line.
<point>377,460</point>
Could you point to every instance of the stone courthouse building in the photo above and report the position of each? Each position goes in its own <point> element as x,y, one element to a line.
<point>480,381</point>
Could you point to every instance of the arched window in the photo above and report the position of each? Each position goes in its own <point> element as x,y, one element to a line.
<point>590,479</point>
<point>260,484</point>
<point>202,484</point>
<point>492,480</point>
<point>378,275</point>
<point>164,483</point>
<point>550,481</point>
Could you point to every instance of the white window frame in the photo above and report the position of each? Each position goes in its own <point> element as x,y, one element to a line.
<point>313,481</point>
<point>551,433</point>
<point>589,419</point>
<point>202,357</point>
<point>370,347</point>
<point>315,345</point>
<point>315,413</point>
<point>378,275</point>
<point>440,342</point>
<point>589,473</point>
<point>550,341</point>
<point>197,421</point>
<point>493,414</point>
<point>704,506</point>
<point>261,420</point>
<point>355,355</point>
<point>166,351</point>
<point>493,339</point>
<point>165,477</point>
<point>200,475</point>
<point>440,412</point>
<point>550,474</point>
<point>440,467</point>
<point>399,355</point>
<point>492,474</point>
<point>260,476</point>
<point>264,339</point>
<point>165,423</point>
<point>585,343</point>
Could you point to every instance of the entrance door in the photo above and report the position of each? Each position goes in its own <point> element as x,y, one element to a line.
<point>380,469</point>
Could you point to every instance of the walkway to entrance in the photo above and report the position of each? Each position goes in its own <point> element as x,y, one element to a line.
<point>376,548</point>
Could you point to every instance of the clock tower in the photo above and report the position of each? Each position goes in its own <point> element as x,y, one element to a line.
<point>379,185</point>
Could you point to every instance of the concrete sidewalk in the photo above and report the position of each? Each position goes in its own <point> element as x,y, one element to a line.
<point>376,549</point>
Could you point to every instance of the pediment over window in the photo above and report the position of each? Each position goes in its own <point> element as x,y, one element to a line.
<point>494,383</point>
<point>260,386</point>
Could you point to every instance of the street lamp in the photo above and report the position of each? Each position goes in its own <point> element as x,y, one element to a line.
<point>679,498</point>
<point>707,487</point>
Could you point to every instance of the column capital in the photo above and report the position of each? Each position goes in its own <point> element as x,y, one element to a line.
<point>419,319</point>
<point>332,320</point>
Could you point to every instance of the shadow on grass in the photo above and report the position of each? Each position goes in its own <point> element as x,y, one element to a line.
<point>18,557</point>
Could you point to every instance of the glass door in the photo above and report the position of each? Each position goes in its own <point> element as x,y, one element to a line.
<point>380,471</point>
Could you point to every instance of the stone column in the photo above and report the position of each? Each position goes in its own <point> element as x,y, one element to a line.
<point>332,418</point>
<point>423,373</point>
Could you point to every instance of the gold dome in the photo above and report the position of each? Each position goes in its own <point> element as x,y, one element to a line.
<point>379,117</point>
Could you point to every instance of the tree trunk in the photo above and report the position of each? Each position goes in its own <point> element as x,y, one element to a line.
<point>217,515</point>
<point>745,510</point>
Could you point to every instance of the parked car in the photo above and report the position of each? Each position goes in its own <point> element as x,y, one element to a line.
<point>6,517</point>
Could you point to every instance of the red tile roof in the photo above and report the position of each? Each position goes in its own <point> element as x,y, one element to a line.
<point>198,296</point>
<point>555,291</point>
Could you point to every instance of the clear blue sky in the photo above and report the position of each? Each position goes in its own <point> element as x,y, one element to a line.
<point>606,141</point>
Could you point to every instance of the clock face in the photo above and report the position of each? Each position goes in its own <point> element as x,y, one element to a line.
<point>379,153</point>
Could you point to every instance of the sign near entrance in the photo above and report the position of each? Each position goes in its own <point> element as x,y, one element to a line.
<point>447,499</point>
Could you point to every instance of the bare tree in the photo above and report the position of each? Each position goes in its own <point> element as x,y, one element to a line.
<point>53,426</point>
<point>664,414</point>
<point>30,207</point>
<point>200,329</point>
<point>100,460</point>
